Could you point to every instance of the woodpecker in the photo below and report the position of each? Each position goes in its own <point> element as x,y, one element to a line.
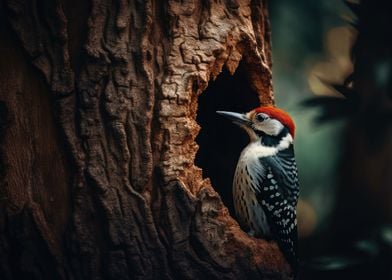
<point>265,186</point>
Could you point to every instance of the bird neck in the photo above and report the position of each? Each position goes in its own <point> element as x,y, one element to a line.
<point>274,140</point>
<point>275,145</point>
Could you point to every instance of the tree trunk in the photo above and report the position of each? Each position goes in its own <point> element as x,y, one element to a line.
<point>98,103</point>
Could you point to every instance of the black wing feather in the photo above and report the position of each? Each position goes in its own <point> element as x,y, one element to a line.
<point>278,196</point>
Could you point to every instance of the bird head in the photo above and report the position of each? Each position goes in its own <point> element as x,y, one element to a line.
<point>263,121</point>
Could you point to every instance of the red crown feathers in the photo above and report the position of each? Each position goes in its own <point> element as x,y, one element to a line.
<point>280,115</point>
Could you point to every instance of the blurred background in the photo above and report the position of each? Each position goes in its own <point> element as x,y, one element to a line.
<point>332,68</point>
<point>332,72</point>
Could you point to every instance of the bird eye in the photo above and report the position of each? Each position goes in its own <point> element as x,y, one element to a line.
<point>261,117</point>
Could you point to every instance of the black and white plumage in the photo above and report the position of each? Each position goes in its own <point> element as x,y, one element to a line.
<point>265,186</point>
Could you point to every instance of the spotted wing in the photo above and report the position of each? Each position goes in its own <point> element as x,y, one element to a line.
<point>278,195</point>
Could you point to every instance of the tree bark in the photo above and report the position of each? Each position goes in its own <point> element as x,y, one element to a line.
<point>98,103</point>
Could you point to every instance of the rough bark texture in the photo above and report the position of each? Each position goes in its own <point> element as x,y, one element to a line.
<point>98,103</point>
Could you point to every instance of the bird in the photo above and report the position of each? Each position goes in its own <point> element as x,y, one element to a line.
<point>265,184</point>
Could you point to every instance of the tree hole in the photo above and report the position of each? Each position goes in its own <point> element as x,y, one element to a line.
<point>220,141</point>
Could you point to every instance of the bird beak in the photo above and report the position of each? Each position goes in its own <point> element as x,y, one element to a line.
<point>237,118</point>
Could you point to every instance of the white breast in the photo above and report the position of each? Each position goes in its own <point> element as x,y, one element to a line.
<point>250,214</point>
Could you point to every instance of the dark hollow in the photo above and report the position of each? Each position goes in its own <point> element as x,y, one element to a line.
<point>220,141</point>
